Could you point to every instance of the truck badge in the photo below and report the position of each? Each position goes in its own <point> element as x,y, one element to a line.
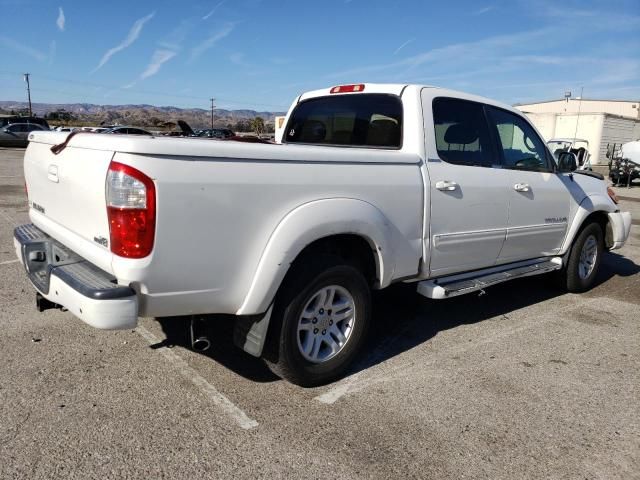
<point>102,241</point>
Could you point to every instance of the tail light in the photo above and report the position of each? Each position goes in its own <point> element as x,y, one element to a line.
<point>612,195</point>
<point>131,209</point>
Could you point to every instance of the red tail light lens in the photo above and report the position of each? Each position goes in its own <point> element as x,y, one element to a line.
<point>131,209</point>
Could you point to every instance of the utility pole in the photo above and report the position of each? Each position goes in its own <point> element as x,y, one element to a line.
<point>212,106</point>
<point>26,79</point>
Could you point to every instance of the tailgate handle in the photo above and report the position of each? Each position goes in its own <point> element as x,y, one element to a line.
<point>52,173</point>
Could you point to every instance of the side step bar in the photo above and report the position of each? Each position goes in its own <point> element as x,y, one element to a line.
<point>454,285</point>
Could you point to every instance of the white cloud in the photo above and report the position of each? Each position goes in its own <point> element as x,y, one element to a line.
<point>213,10</point>
<point>403,45</point>
<point>211,41</point>
<point>21,48</point>
<point>484,10</point>
<point>132,36</point>
<point>61,20</point>
<point>457,52</point>
<point>159,57</point>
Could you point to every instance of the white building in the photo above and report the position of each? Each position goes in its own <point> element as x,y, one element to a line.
<point>600,122</point>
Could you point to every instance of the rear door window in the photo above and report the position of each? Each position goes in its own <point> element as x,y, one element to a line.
<point>18,128</point>
<point>462,133</point>
<point>367,120</point>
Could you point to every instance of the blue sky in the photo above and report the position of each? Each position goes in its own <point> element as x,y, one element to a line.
<point>260,54</point>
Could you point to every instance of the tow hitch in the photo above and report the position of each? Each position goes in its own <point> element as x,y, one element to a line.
<point>43,304</point>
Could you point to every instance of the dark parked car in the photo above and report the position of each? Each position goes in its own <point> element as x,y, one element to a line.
<point>128,131</point>
<point>215,133</point>
<point>10,119</point>
<point>15,135</point>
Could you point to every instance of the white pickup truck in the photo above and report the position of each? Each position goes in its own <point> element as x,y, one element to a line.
<point>370,185</point>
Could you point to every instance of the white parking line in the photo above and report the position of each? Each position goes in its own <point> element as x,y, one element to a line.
<point>209,390</point>
<point>383,372</point>
<point>347,385</point>
<point>8,218</point>
<point>9,261</point>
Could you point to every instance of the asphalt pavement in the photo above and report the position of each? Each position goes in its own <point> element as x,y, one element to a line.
<point>521,382</point>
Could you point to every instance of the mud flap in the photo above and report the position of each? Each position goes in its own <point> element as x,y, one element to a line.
<point>250,332</point>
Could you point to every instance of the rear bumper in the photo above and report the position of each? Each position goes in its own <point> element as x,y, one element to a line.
<point>620,223</point>
<point>63,277</point>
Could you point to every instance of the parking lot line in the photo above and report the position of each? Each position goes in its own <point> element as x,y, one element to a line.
<point>8,218</point>
<point>358,381</point>
<point>7,262</point>
<point>226,405</point>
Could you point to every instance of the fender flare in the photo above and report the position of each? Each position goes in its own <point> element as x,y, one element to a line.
<point>589,205</point>
<point>310,222</point>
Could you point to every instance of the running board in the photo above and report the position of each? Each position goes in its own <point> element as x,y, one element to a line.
<point>454,285</point>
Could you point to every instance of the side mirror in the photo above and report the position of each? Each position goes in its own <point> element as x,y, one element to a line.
<point>567,162</point>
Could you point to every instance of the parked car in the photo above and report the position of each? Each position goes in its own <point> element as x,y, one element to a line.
<point>9,119</point>
<point>15,134</point>
<point>216,133</point>
<point>127,131</point>
<point>372,185</point>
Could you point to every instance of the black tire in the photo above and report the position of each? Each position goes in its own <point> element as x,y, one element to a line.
<point>308,276</point>
<point>570,277</point>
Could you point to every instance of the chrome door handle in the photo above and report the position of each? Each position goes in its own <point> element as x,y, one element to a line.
<point>446,185</point>
<point>521,187</point>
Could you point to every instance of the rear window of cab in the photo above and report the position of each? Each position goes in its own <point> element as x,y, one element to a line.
<point>361,120</point>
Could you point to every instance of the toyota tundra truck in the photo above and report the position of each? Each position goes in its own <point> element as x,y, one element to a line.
<point>368,185</point>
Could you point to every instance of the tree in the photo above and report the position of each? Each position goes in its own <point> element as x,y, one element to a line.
<point>242,126</point>
<point>257,125</point>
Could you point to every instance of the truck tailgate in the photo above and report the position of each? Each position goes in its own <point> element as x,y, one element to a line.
<point>67,197</point>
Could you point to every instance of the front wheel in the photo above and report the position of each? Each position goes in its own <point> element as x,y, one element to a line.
<point>320,321</point>
<point>584,260</point>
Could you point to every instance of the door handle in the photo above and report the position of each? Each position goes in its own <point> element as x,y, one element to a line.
<point>521,187</point>
<point>446,185</point>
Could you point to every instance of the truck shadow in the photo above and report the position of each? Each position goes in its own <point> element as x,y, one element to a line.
<point>219,329</point>
<point>402,319</point>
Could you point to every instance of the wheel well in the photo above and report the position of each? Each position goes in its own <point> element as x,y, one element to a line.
<point>602,219</point>
<point>354,249</point>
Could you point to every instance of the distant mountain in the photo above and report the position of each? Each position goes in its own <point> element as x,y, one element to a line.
<point>139,115</point>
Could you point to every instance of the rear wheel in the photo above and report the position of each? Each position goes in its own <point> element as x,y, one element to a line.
<point>584,260</point>
<point>321,318</point>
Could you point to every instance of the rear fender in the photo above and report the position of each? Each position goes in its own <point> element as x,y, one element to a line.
<point>314,221</point>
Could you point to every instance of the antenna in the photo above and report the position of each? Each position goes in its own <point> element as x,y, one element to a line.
<point>575,134</point>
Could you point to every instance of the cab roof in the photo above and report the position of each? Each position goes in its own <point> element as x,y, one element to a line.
<point>398,89</point>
